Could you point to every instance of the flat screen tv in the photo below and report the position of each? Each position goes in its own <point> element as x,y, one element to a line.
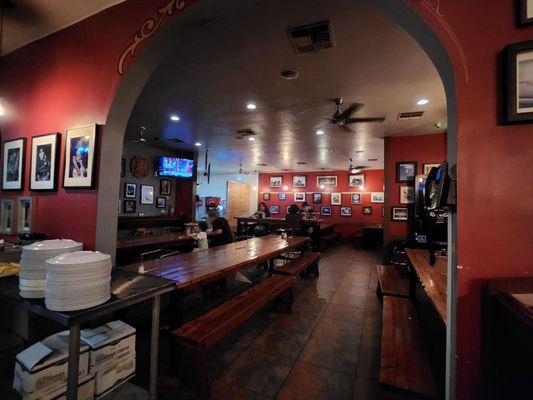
<point>175,167</point>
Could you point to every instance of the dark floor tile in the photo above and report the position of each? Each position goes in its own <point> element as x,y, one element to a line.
<point>222,390</point>
<point>280,342</point>
<point>337,355</point>
<point>348,297</point>
<point>259,372</point>
<point>368,363</point>
<point>311,382</point>
<point>344,313</point>
<point>342,331</point>
<point>297,321</point>
<point>366,389</point>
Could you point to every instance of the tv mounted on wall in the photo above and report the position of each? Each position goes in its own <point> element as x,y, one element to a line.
<point>175,167</point>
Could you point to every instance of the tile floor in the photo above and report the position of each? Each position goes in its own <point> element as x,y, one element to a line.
<point>328,348</point>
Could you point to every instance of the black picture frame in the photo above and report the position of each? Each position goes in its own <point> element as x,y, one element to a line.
<point>275,182</point>
<point>356,198</point>
<point>266,196</point>
<point>162,187</point>
<point>22,171</point>
<point>511,53</point>
<point>523,19</point>
<point>56,138</point>
<point>395,218</point>
<point>163,204</point>
<point>346,211</point>
<point>89,181</point>
<point>297,178</point>
<point>317,198</point>
<point>144,201</point>
<point>129,206</point>
<point>282,196</point>
<point>399,166</point>
<point>367,210</point>
<point>130,196</point>
<point>274,209</point>
<point>325,210</point>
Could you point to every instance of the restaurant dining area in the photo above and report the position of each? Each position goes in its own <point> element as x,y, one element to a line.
<point>256,199</point>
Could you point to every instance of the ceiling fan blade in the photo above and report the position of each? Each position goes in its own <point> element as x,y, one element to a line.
<point>208,173</point>
<point>358,120</point>
<point>350,110</point>
<point>345,128</point>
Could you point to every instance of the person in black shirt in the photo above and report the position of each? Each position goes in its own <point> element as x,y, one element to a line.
<point>221,233</point>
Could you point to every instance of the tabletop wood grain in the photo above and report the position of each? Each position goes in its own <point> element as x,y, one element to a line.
<point>193,269</point>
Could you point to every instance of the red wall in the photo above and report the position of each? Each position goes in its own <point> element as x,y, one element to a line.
<point>346,226</point>
<point>425,149</point>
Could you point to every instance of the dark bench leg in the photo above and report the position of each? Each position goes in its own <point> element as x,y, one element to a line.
<point>193,371</point>
<point>315,269</point>
<point>283,303</point>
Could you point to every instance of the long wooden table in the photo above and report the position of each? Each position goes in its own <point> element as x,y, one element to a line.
<point>433,278</point>
<point>191,270</point>
<point>153,240</point>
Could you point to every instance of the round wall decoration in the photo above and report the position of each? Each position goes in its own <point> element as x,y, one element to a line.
<point>139,167</point>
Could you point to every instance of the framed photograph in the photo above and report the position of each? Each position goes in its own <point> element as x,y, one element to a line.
<point>273,209</point>
<point>266,196</point>
<point>160,202</point>
<point>317,198</point>
<point>147,194</point>
<point>24,213</point>
<point>299,196</point>
<point>123,168</point>
<point>367,210</point>
<point>518,81</point>
<point>130,190</point>
<point>165,187</point>
<point>44,161</point>
<point>6,216</point>
<point>80,158</point>
<point>299,181</point>
<point>326,181</point>
<point>355,198</point>
<point>129,206</point>
<point>14,155</point>
<point>407,195</point>
<point>287,209</point>
<point>275,181</point>
<point>426,168</point>
<point>346,211</point>
<point>406,171</point>
<point>325,210</point>
<point>377,197</point>
<point>525,12</point>
<point>282,196</point>
<point>336,199</point>
<point>356,181</point>
<point>399,213</point>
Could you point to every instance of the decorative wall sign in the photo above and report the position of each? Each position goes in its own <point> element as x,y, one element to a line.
<point>7,209</point>
<point>426,168</point>
<point>266,196</point>
<point>14,155</point>
<point>356,181</point>
<point>325,210</point>
<point>44,163</point>
<point>367,210</point>
<point>80,157</point>
<point>377,197</point>
<point>130,190</point>
<point>282,196</point>
<point>299,197</point>
<point>518,63</point>
<point>525,12</point>
<point>139,167</point>
<point>346,211</point>
<point>129,206</point>
<point>406,171</point>
<point>399,213</point>
<point>326,181</point>
<point>317,198</point>
<point>299,181</point>
<point>355,198</point>
<point>165,187</point>
<point>276,181</point>
<point>336,199</point>
<point>407,195</point>
<point>147,194</point>
<point>160,202</point>
<point>274,209</point>
<point>24,212</point>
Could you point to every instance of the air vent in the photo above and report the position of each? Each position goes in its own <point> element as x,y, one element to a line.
<point>404,116</point>
<point>311,38</point>
<point>301,163</point>
<point>175,140</point>
<point>242,133</point>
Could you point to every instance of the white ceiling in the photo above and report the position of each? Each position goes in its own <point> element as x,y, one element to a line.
<point>33,19</point>
<point>232,53</point>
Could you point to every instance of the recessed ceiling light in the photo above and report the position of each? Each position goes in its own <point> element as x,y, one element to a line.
<point>174,117</point>
<point>251,106</point>
<point>251,139</point>
<point>285,188</point>
<point>422,102</point>
<point>320,132</point>
<point>198,144</point>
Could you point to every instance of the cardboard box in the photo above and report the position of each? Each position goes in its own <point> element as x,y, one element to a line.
<point>110,378</point>
<point>109,344</point>
<point>42,368</point>
<point>85,391</point>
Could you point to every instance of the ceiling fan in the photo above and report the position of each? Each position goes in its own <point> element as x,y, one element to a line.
<point>140,137</point>
<point>344,118</point>
<point>207,168</point>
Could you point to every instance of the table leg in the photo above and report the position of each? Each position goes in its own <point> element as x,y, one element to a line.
<point>154,347</point>
<point>73,362</point>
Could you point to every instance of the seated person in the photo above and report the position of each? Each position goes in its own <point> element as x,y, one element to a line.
<point>262,211</point>
<point>199,234</point>
<point>307,211</point>
<point>221,233</point>
<point>293,217</point>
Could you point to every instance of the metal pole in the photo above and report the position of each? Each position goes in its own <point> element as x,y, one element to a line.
<point>73,362</point>
<point>154,348</point>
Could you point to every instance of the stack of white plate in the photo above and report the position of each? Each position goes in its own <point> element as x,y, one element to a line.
<point>77,280</point>
<point>32,275</point>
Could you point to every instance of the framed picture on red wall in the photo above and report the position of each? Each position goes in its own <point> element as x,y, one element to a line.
<point>399,213</point>
<point>299,197</point>
<point>326,181</point>
<point>518,80</point>
<point>406,171</point>
<point>355,198</point>
<point>282,196</point>
<point>317,198</point>
<point>426,168</point>
<point>299,181</point>
<point>325,210</point>
<point>274,209</point>
<point>80,158</point>
<point>346,211</point>
<point>525,12</point>
<point>266,196</point>
<point>13,164</point>
<point>44,162</point>
<point>356,181</point>
<point>275,181</point>
<point>377,197</point>
<point>336,199</point>
<point>367,210</point>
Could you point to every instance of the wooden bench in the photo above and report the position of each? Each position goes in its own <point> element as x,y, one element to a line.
<point>404,362</point>
<point>391,283</point>
<point>307,262</point>
<point>197,336</point>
